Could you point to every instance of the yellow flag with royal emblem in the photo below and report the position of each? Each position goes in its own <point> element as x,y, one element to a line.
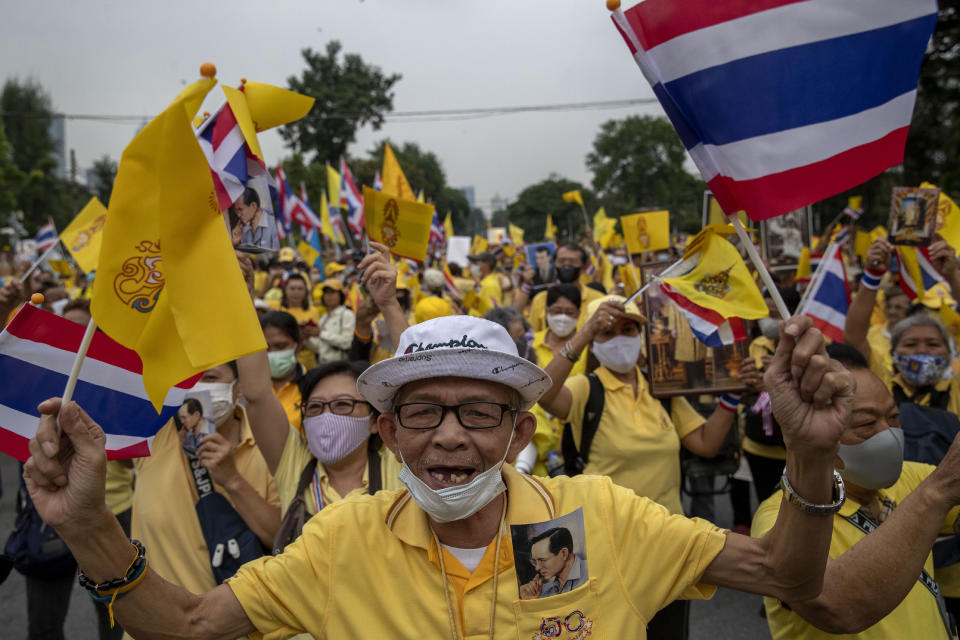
<point>646,231</point>
<point>394,182</point>
<point>168,284</point>
<point>402,225</point>
<point>714,290</point>
<point>84,235</point>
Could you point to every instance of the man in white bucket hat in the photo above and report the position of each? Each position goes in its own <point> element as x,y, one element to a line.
<point>446,557</point>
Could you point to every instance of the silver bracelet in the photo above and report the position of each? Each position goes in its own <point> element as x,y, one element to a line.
<point>567,352</point>
<point>811,508</point>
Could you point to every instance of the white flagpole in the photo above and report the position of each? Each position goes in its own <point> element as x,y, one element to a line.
<point>39,261</point>
<point>663,274</point>
<point>77,364</point>
<point>761,268</point>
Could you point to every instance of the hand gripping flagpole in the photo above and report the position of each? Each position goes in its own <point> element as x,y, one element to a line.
<point>761,268</point>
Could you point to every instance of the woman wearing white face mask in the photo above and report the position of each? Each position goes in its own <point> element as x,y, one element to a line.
<point>282,333</point>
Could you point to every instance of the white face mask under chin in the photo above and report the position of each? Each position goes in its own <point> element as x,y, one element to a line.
<point>620,353</point>
<point>460,501</point>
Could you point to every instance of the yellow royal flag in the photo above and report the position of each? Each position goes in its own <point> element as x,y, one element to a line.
<point>948,217</point>
<point>420,197</point>
<point>326,225</point>
<point>646,231</point>
<point>62,267</point>
<point>604,228</point>
<point>516,235</point>
<point>84,234</point>
<point>394,182</point>
<point>714,277</point>
<point>258,107</point>
<point>628,276</point>
<point>168,284</point>
<point>861,242</point>
<point>573,196</point>
<point>550,231</point>
<point>402,225</point>
<point>307,252</point>
<point>448,226</point>
<point>333,188</point>
<point>479,245</point>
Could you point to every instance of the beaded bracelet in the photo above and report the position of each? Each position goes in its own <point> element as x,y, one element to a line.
<point>112,590</point>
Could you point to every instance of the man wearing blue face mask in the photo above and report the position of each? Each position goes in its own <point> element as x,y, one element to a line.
<point>875,568</point>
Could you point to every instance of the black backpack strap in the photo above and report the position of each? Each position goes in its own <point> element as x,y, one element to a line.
<point>305,477</point>
<point>575,460</point>
<point>374,479</point>
<point>938,399</point>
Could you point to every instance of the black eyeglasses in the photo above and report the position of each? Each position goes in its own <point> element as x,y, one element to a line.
<point>471,415</point>
<point>340,406</point>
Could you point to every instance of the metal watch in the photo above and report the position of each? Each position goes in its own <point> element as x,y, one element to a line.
<point>811,508</point>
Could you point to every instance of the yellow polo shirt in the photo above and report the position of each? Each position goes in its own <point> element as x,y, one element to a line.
<point>881,361</point>
<point>490,295</point>
<point>164,518</point>
<point>118,487</point>
<point>293,460</point>
<point>545,354</point>
<point>537,317</point>
<point>917,616</point>
<point>366,567</point>
<point>637,443</point>
<point>289,396</point>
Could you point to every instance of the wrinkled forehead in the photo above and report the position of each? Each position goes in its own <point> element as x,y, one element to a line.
<point>872,394</point>
<point>449,390</point>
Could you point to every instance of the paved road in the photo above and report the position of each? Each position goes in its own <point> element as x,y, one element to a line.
<point>728,616</point>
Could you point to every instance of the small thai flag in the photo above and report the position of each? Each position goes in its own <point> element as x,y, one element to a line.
<point>917,273</point>
<point>37,350</point>
<point>828,298</point>
<point>436,229</point>
<point>46,237</point>
<point>378,182</point>
<point>351,199</point>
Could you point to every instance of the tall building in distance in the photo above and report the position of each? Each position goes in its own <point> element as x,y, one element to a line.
<point>470,195</point>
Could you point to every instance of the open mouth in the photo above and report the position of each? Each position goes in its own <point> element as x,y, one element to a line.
<point>450,476</point>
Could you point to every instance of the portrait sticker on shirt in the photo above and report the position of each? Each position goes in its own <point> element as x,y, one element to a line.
<point>551,556</point>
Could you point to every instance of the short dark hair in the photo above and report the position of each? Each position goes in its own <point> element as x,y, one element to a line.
<point>596,286</point>
<point>564,290</point>
<point>193,405</point>
<point>848,356</point>
<point>312,378</point>
<point>283,321</point>
<point>455,269</point>
<point>543,249</point>
<point>575,247</point>
<point>560,538</point>
<point>250,196</point>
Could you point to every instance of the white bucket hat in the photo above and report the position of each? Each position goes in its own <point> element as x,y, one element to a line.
<point>453,346</point>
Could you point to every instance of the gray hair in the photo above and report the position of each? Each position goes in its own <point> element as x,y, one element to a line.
<point>920,320</point>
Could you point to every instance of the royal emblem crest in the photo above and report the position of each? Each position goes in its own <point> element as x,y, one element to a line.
<point>715,284</point>
<point>83,238</point>
<point>388,228</point>
<point>140,280</point>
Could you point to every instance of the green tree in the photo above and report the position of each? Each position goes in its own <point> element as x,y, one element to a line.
<point>28,113</point>
<point>529,211</point>
<point>10,177</point>
<point>638,162</point>
<point>349,94</point>
<point>104,173</point>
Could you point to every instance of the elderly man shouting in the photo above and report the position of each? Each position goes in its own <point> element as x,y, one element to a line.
<point>439,559</point>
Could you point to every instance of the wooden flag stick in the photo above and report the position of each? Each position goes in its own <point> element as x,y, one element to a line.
<point>77,364</point>
<point>761,268</point>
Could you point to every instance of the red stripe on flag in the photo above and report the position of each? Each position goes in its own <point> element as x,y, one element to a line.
<point>832,331</point>
<point>795,188</point>
<point>626,38</point>
<point>223,198</point>
<point>43,327</point>
<point>15,445</point>
<point>684,302</point>
<point>222,127</point>
<point>656,21</point>
<point>739,332</point>
<point>139,450</point>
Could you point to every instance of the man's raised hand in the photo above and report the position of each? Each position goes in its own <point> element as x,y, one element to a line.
<point>812,395</point>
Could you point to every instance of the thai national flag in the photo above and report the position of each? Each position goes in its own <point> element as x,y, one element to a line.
<point>37,350</point>
<point>351,199</point>
<point>293,207</point>
<point>828,297</point>
<point>230,159</point>
<point>378,182</point>
<point>46,237</point>
<point>917,273</point>
<point>436,230</point>
<point>782,103</point>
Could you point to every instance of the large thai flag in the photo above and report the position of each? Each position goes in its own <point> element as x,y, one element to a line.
<point>782,103</point>
<point>37,350</point>
<point>46,237</point>
<point>351,199</point>
<point>231,161</point>
<point>917,273</point>
<point>828,297</point>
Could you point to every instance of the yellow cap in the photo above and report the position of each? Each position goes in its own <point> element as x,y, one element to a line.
<point>334,284</point>
<point>332,268</point>
<point>633,311</point>
<point>430,308</point>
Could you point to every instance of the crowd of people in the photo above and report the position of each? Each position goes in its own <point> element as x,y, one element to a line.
<point>398,463</point>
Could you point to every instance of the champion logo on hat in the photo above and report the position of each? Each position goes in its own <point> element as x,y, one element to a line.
<point>452,343</point>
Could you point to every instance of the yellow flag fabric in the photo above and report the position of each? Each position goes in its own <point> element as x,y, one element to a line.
<point>550,232</point>
<point>861,242</point>
<point>855,202</point>
<point>646,231</point>
<point>604,228</point>
<point>714,277</point>
<point>60,266</point>
<point>333,187</point>
<point>394,182</point>
<point>84,235</point>
<point>804,268</point>
<point>272,106</point>
<point>241,111</point>
<point>479,245</point>
<point>307,252</point>
<point>402,225</point>
<point>326,224</point>
<point>629,279</point>
<point>448,226</point>
<point>516,235</point>
<point>168,284</point>
<point>573,196</point>
<point>948,217</point>
<point>420,197</point>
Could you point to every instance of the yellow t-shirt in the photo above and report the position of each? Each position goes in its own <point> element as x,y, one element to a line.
<point>537,317</point>
<point>917,616</point>
<point>119,487</point>
<point>490,295</point>
<point>303,315</point>
<point>289,396</point>
<point>637,443</point>
<point>366,567</point>
<point>294,458</point>
<point>881,362</point>
<point>164,518</point>
<point>545,354</point>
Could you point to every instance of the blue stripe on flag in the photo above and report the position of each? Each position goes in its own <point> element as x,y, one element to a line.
<point>801,85</point>
<point>238,164</point>
<point>688,136</point>
<point>712,340</point>
<point>832,292</point>
<point>116,412</point>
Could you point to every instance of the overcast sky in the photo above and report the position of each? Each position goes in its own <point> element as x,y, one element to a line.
<point>132,57</point>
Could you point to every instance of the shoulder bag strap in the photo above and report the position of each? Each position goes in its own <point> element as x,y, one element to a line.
<point>305,477</point>
<point>374,479</point>
<point>591,416</point>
